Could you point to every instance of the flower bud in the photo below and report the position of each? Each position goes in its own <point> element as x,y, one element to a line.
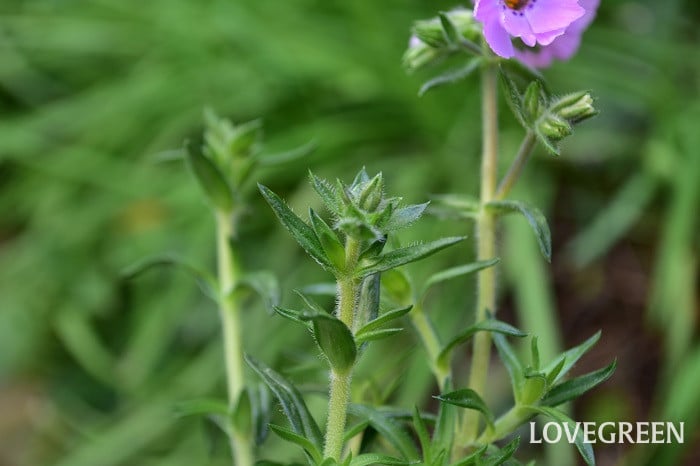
<point>574,107</point>
<point>371,194</point>
<point>532,101</point>
<point>554,127</point>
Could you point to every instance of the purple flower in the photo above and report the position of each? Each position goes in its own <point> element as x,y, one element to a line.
<point>535,22</point>
<point>564,46</point>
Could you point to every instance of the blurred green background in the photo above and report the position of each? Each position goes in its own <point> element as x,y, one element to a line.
<point>95,94</point>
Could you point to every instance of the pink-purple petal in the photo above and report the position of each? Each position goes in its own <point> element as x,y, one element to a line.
<point>498,38</point>
<point>550,15</point>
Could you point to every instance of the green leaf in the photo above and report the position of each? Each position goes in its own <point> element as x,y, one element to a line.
<point>301,232</point>
<point>504,454</point>
<point>583,447</point>
<point>443,434</point>
<point>534,386</point>
<point>548,144</point>
<point>397,286</point>
<point>261,404</point>
<point>354,430</point>
<point>375,458</point>
<point>330,243</point>
<point>535,353</point>
<point>458,271</point>
<point>423,436</point>
<point>391,431</point>
<point>574,388</point>
<point>451,76</point>
<point>571,357</point>
<point>264,283</point>
<point>405,216</point>
<point>242,415</point>
<point>368,301</point>
<point>384,319</point>
<point>291,400</point>
<point>291,155</point>
<point>377,334</point>
<point>512,363</point>
<point>489,325</point>
<point>206,281</point>
<point>535,218</point>
<point>455,206</point>
<point>335,340</point>
<point>514,100</point>
<point>210,179</point>
<point>472,458</point>
<point>311,303</point>
<point>303,442</point>
<point>327,193</point>
<point>469,399</point>
<point>406,255</point>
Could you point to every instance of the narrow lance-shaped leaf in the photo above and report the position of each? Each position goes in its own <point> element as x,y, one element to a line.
<point>327,193</point>
<point>300,440</point>
<point>405,216</point>
<point>384,319</point>
<point>291,400</point>
<point>489,325</point>
<point>574,388</point>
<point>504,454</point>
<point>534,217</point>
<point>406,255</point>
<point>377,334</point>
<point>301,232</point>
<point>375,458</point>
<point>583,447</point>
<point>334,250</point>
<point>571,357</point>
<point>512,363</point>
<point>458,271</point>
<point>469,399</point>
<point>391,431</point>
<point>423,436</point>
<point>210,178</point>
<point>451,76</point>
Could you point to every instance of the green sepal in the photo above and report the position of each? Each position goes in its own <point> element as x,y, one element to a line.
<point>488,325</point>
<point>292,402</point>
<point>469,399</point>
<point>300,440</point>
<point>210,178</point>
<point>584,448</point>
<point>406,255</point>
<point>567,391</point>
<point>537,221</point>
<point>300,231</point>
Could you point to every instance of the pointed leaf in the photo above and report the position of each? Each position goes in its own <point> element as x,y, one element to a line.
<point>291,314</point>
<point>449,29</point>
<point>330,243</point>
<point>574,388</point>
<point>571,357</point>
<point>210,179</point>
<point>368,301</point>
<point>459,271</point>
<point>512,363</point>
<point>377,334</point>
<point>584,447</point>
<point>303,442</point>
<point>406,255</point>
<point>291,400</point>
<point>443,434</point>
<point>489,325</point>
<point>548,144</point>
<point>311,303</point>
<point>264,283</point>
<point>515,102</point>
<point>391,431</point>
<point>375,458</point>
<point>355,430</point>
<point>469,399</point>
<point>472,458</point>
<point>451,76</point>
<point>504,454</point>
<point>327,192</point>
<point>535,218</point>
<point>423,435</point>
<point>205,280</point>
<point>384,319</point>
<point>405,216</point>
<point>301,232</point>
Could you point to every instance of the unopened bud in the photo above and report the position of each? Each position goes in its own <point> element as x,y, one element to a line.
<point>532,101</point>
<point>372,193</point>
<point>575,107</point>
<point>554,127</point>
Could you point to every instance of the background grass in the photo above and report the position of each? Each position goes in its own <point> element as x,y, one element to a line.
<point>94,93</point>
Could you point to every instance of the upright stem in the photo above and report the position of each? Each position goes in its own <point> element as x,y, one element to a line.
<point>340,381</point>
<point>486,241</point>
<point>230,322</point>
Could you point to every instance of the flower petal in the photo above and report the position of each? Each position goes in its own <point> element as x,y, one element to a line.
<point>517,25</point>
<point>550,15</point>
<point>498,38</point>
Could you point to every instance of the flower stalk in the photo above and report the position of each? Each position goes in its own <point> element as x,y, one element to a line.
<point>229,312</point>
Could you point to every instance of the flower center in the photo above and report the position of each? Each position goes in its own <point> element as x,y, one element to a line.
<point>516,4</point>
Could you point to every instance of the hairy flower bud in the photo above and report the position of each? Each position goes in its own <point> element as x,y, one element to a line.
<point>554,128</point>
<point>575,107</point>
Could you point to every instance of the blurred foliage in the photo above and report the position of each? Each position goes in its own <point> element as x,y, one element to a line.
<point>95,95</point>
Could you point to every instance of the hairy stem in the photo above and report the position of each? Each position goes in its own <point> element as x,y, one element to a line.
<point>517,166</point>
<point>340,381</point>
<point>486,243</point>
<point>230,321</point>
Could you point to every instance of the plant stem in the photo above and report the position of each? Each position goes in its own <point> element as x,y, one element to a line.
<point>486,242</point>
<point>432,345</point>
<point>516,167</point>
<point>340,381</point>
<point>229,313</point>
<point>505,425</point>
